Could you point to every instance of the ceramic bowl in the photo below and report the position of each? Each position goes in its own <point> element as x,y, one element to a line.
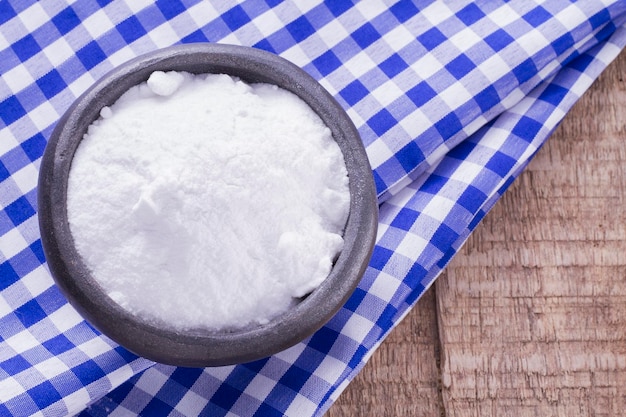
<point>204,348</point>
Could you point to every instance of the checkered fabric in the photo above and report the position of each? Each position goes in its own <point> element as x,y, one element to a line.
<point>452,99</point>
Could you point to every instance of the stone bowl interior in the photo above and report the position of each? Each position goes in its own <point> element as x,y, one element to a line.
<point>199,348</point>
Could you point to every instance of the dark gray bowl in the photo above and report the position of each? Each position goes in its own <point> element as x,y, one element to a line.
<point>204,348</point>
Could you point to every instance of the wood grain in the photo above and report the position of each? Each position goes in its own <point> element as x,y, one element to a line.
<point>530,317</point>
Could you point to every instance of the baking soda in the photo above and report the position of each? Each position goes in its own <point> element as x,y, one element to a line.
<point>200,201</point>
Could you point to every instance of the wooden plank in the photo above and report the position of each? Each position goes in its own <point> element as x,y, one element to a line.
<point>532,312</point>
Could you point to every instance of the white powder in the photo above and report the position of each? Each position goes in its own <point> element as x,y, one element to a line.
<point>199,201</point>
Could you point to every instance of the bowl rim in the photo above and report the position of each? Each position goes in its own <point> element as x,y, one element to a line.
<point>204,348</point>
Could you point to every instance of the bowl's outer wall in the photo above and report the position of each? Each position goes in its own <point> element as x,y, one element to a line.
<point>204,348</point>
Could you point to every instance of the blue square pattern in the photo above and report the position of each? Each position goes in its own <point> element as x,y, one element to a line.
<point>6,12</point>
<point>66,20</point>
<point>58,345</point>
<point>19,210</point>
<point>435,183</point>
<point>33,148</point>
<point>354,92</point>
<point>30,313</point>
<point>448,126</point>
<point>554,94</point>
<point>88,372</point>
<point>381,122</point>
<point>405,219</point>
<point>11,110</point>
<point>471,199</point>
<point>404,10</point>
<point>26,48</point>
<point>525,71</point>
<point>443,237</point>
<point>265,410</point>
<point>432,38</point>
<point>195,36</point>
<point>300,29</point>
<point>323,340</point>
<point>226,396</point>
<point>537,16</point>
<point>14,365</point>
<point>487,98</point>
<point>44,394</point>
<point>156,407</point>
<point>563,43</point>
<point>355,300</point>
<point>605,32</point>
<point>380,256</point>
<point>8,275</point>
<point>170,8</point>
<point>413,280</point>
<point>393,65</point>
<point>470,14</point>
<point>4,172</point>
<point>600,18</point>
<point>235,18</point>
<point>186,376</point>
<point>460,66</point>
<point>51,84</point>
<point>327,62</point>
<point>265,45</point>
<point>91,55</point>
<point>499,40</point>
<point>421,94</point>
<point>410,156</point>
<point>339,7</point>
<point>130,29</point>
<point>527,128</point>
<point>365,35</point>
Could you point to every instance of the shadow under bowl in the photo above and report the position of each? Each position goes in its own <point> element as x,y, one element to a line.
<point>200,348</point>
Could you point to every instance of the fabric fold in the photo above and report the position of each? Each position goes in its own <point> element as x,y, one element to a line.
<point>451,99</point>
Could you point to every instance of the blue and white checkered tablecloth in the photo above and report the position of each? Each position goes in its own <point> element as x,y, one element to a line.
<point>451,99</point>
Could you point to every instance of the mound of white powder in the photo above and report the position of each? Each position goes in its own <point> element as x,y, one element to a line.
<point>200,201</point>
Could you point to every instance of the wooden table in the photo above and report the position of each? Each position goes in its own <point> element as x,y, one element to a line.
<point>529,319</point>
